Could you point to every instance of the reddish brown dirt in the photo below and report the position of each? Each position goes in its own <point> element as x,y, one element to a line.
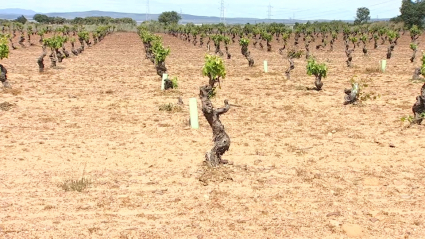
<point>305,165</point>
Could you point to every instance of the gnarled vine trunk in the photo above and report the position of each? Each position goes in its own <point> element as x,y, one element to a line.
<point>75,52</point>
<point>201,41</point>
<point>417,74</point>
<point>307,50</point>
<point>29,40</point>
<point>53,58</point>
<point>318,82</point>
<point>296,39</point>
<point>194,40</point>
<point>11,43</point>
<point>3,77</point>
<point>227,51</point>
<point>349,57</point>
<point>168,84</point>
<point>255,42</point>
<point>282,49</point>
<point>390,50</point>
<point>247,54</point>
<point>208,43</point>
<point>65,52</point>
<point>351,95</point>
<point>82,44</point>
<point>419,107</point>
<point>218,50</point>
<point>291,67</point>
<point>40,60</point>
<point>21,41</point>
<point>220,138</point>
<point>269,46</point>
<point>161,69</point>
<point>59,55</point>
<point>412,59</point>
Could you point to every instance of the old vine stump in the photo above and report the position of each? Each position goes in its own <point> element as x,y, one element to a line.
<point>220,138</point>
<point>3,77</point>
<point>351,95</point>
<point>419,107</point>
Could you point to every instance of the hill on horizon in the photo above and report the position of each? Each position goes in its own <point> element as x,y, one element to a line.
<point>17,11</point>
<point>13,13</point>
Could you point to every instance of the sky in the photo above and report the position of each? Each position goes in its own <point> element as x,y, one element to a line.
<point>280,9</point>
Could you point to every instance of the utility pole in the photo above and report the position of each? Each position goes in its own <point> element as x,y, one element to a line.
<point>269,12</point>
<point>222,17</point>
<point>147,9</point>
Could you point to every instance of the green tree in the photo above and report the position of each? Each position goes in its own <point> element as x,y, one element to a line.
<point>412,13</point>
<point>21,19</point>
<point>363,15</point>
<point>169,17</point>
<point>41,18</point>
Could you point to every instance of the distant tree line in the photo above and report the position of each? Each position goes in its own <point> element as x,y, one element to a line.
<point>20,19</point>
<point>48,20</point>
<point>41,18</point>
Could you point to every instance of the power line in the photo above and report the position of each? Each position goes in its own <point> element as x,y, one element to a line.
<point>269,12</point>
<point>222,17</point>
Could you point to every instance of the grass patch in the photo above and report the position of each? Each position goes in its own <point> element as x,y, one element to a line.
<point>420,80</point>
<point>300,87</point>
<point>373,70</point>
<point>49,207</point>
<point>170,107</point>
<point>5,106</point>
<point>12,91</point>
<point>75,185</point>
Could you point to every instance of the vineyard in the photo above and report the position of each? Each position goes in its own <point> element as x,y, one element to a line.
<point>325,144</point>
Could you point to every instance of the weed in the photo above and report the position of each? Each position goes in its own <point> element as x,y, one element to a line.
<point>48,207</point>
<point>13,91</point>
<point>175,82</point>
<point>300,87</point>
<point>372,70</point>
<point>5,106</point>
<point>93,229</point>
<point>170,107</point>
<point>410,118</point>
<point>292,53</point>
<point>75,185</point>
<point>364,95</point>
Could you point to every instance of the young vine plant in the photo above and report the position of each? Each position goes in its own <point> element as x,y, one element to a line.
<point>214,69</point>
<point>4,48</point>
